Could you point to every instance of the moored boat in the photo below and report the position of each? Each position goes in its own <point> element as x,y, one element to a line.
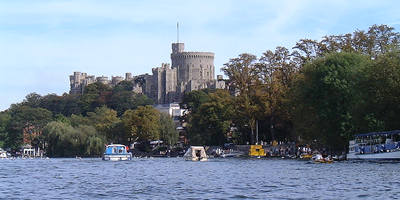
<point>116,152</point>
<point>318,158</point>
<point>3,154</point>
<point>196,153</point>
<point>257,151</point>
<point>375,146</point>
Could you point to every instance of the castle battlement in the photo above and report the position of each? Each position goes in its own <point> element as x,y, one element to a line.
<point>188,71</point>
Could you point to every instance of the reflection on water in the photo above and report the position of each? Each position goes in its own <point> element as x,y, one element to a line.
<point>174,178</point>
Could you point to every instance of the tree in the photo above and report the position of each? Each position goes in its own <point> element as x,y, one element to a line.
<point>325,93</point>
<point>95,95</point>
<point>211,123</point>
<point>168,132</point>
<point>123,86</point>
<point>378,40</point>
<point>104,120</point>
<point>142,124</point>
<point>25,117</point>
<point>276,70</point>
<point>380,91</point>
<point>66,141</point>
<point>5,119</point>
<point>244,80</point>
<point>192,100</point>
<point>55,135</point>
<point>125,100</point>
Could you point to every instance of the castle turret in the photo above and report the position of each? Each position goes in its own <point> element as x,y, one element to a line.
<point>178,47</point>
<point>128,76</point>
<point>195,70</point>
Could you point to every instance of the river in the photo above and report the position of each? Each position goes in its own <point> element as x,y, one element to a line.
<point>174,178</point>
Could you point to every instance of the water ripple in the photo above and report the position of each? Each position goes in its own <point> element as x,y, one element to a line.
<point>174,178</point>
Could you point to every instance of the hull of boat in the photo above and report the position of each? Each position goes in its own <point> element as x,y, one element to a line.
<point>195,159</point>
<point>117,157</point>
<point>395,155</point>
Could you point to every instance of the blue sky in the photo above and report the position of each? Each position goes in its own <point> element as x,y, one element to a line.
<point>43,42</point>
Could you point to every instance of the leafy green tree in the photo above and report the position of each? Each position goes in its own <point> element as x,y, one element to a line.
<point>63,140</point>
<point>23,117</point>
<point>380,91</point>
<point>104,120</point>
<point>5,119</point>
<point>123,86</point>
<point>71,104</point>
<point>77,120</point>
<point>142,124</point>
<point>95,95</point>
<point>53,103</point>
<point>326,91</point>
<point>32,100</point>
<point>210,124</point>
<point>56,135</point>
<point>192,100</point>
<point>168,132</point>
<point>125,100</point>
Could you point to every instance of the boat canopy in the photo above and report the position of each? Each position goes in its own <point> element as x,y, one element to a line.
<point>116,149</point>
<point>378,133</point>
<point>193,150</point>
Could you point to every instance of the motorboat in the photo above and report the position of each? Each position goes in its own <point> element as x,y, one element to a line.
<point>196,153</point>
<point>318,158</point>
<point>375,146</point>
<point>257,151</point>
<point>117,152</point>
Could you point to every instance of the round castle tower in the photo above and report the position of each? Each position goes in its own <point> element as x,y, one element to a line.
<point>192,66</point>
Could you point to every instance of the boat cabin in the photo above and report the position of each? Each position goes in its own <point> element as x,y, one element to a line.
<point>375,145</point>
<point>196,153</point>
<point>375,142</point>
<point>116,149</point>
<point>115,152</point>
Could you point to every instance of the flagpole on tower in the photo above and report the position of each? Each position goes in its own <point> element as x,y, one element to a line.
<point>177,32</point>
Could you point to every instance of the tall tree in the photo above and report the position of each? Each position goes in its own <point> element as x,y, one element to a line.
<point>243,79</point>
<point>326,91</point>
<point>276,70</point>
<point>168,132</point>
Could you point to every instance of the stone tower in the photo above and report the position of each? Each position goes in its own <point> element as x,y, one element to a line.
<point>163,84</point>
<point>78,82</point>
<point>188,71</point>
<point>195,70</point>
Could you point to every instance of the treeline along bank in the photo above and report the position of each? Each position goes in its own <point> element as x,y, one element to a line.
<point>319,92</point>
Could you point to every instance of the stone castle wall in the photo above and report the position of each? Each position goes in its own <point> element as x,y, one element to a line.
<point>188,71</point>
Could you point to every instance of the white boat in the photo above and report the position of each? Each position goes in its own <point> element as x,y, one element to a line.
<point>116,152</point>
<point>3,154</point>
<point>375,146</point>
<point>318,158</point>
<point>196,153</point>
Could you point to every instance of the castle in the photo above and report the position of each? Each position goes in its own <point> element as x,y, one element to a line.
<point>188,71</point>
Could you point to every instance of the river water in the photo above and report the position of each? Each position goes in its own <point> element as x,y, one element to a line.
<point>174,178</point>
